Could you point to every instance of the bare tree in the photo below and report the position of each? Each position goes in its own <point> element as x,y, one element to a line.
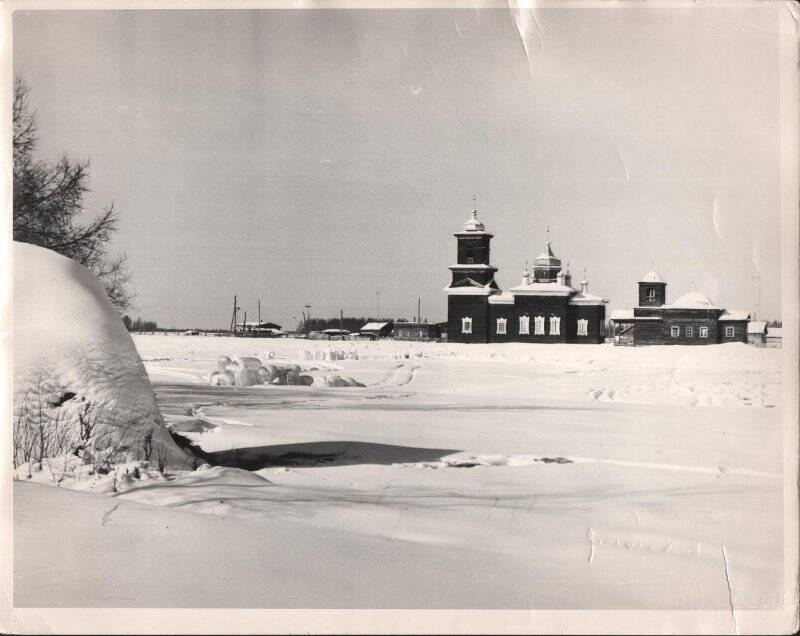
<point>49,206</point>
<point>146,447</point>
<point>161,459</point>
<point>23,435</point>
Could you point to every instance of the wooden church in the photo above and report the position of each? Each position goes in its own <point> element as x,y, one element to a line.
<point>544,307</point>
<point>691,320</point>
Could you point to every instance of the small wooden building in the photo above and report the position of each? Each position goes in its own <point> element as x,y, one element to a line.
<point>260,329</point>
<point>335,334</point>
<point>375,330</point>
<point>775,337</point>
<point>757,333</point>
<point>417,331</point>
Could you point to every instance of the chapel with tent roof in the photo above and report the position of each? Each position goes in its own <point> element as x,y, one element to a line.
<point>544,307</point>
<point>691,320</point>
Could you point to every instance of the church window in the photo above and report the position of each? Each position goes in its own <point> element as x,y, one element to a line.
<point>501,325</point>
<point>689,331</point>
<point>675,331</point>
<point>538,325</point>
<point>555,325</point>
<point>466,325</point>
<point>651,293</point>
<point>583,327</point>
<point>469,255</point>
<point>524,325</point>
<point>704,332</point>
<point>729,332</point>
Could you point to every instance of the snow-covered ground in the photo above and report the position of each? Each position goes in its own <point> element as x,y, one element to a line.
<point>461,476</point>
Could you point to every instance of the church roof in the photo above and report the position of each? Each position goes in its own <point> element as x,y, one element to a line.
<point>735,315</point>
<point>587,299</point>
<point>652,277</point>
<point>501,299</point>
<point>692,300</point>
<point>543,289</point>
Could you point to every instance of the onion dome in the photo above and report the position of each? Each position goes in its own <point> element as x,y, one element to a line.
<point>473,224</point>
<point>547,265</point>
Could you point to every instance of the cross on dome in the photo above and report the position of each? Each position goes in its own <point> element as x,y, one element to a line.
<point>473,224</point>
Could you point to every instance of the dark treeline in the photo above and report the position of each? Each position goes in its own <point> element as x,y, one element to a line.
<point>139,324</point>
<point>351,324</point>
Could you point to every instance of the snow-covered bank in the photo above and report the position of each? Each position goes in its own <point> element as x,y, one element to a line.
<point>79,385</point>
<point>480,476</point>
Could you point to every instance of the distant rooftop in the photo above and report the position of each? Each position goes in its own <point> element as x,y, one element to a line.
<point>374,326</point>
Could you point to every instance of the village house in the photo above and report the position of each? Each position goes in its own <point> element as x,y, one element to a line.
<point>376,330</point>
<point>544,307</point>
<point>691,320</point>
<point>417,331</point>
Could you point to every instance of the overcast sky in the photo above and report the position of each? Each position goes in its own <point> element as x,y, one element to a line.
<point>319,157</point>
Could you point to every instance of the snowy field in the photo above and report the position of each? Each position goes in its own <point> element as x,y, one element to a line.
<point>482,476</point>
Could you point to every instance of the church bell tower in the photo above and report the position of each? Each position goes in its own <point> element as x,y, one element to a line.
<point>473,268</point>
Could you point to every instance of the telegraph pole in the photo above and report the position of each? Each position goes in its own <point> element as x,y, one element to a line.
<point>308,320</point>
<point>259,311</point>
<point>419,304</point>
<point>378,297</point>
<point>233,318</point>
<point>341,320</point>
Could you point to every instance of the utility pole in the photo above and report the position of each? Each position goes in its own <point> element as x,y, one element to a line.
<point>244,324</point>
<point>233,318</point>
<point>308,320</point>
<point>378,301</point>
<point>341,320</point>
<point>419,304</point>
<point>259,311</point>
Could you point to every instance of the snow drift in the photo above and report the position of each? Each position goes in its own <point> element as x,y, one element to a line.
<point>75,366</point>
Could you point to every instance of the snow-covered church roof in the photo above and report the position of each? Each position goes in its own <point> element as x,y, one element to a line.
<point>543,289</point>
<point>652,277</point>
<point>735,315</point>
<point>693,300</point>
<point>587,299</point>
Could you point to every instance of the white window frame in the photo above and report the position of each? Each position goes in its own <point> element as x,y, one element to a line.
<point>703,332</point>
<point>466,325</point>
<point>502,326</point>
<point>689,329</point>
<point>538,326</point>
<point>555,325</point>
<point>675,331</point>
<point>730,332</point>
<point>524,325</point>
<point>583,327</point>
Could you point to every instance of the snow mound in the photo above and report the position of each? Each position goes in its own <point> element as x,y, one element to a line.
<point>74,361</point>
